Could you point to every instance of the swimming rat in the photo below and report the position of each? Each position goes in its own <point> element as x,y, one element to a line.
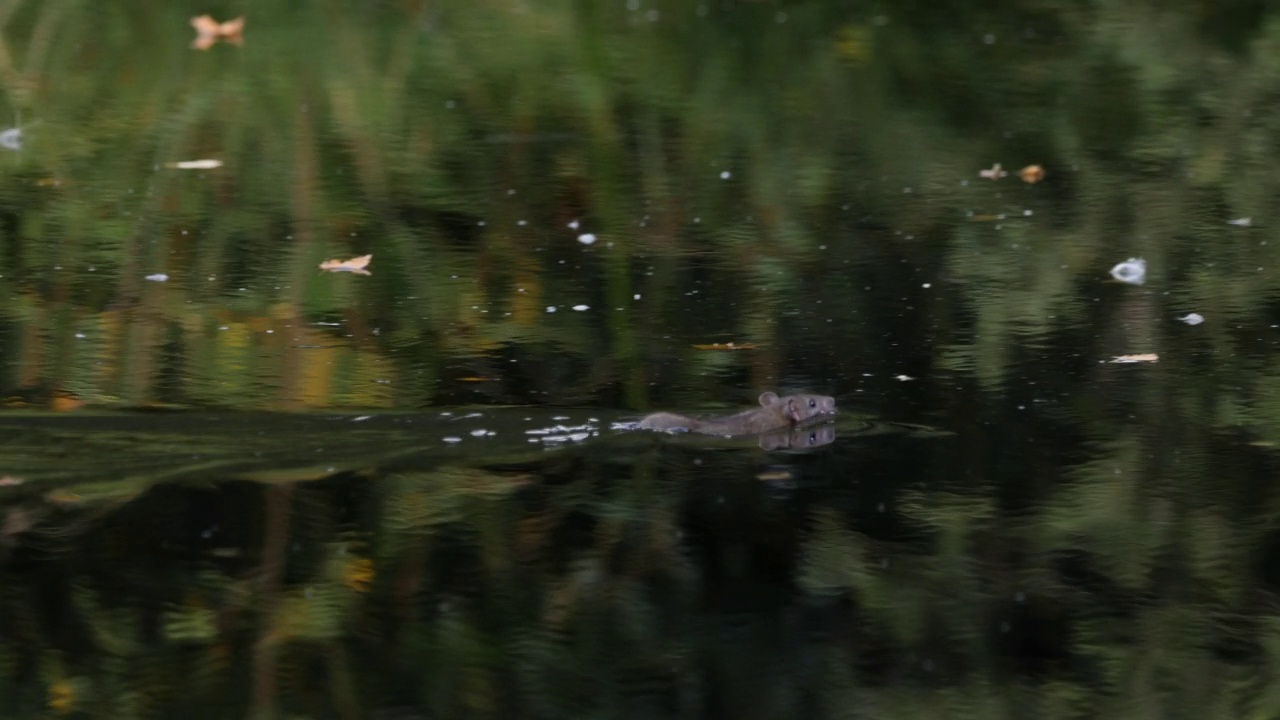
<point>774,413</point>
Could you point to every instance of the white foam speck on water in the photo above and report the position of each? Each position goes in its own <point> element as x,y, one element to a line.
<point>726,175</point>
<point>580,308</point>
<point>452,439</point>
<point>551,308</point>
<point>11,138</point>
<point>158,277</point>
<point>1132,271</point>
<point>586,238</point>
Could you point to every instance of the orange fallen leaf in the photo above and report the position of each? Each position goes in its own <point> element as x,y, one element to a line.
<point>474,379</point>
<point>210,31</point>
<point>726,346</point>
<point>1140,358</point>
<point>995,173</point>
<point>354,265</point>
<point>1031,174</point>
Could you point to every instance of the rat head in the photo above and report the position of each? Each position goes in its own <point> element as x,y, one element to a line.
<point>799,408</point>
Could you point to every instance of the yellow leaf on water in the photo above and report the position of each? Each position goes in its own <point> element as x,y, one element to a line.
<point>1140,358</point>
<point>210,31</point>
<point>726,346</point>
<point>354,265</point>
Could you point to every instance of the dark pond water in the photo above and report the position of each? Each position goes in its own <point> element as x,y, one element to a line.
<point>235,484</point>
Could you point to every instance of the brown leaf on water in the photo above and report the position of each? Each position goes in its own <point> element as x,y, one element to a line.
<point>995,173</point>
<point>210,31</point>
<point>726,346</point>
<point>1031,174</point>
<point>354,265</point>
<point>1140,358</point>
<point>10,481</point>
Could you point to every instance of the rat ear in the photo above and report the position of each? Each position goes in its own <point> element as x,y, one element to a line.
<point>793,408</point>
<point>769,398</point>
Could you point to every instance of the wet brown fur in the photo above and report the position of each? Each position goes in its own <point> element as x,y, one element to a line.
<point>774,413</point>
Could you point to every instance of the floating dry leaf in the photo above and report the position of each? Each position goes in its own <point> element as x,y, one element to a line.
<point>354,265</point>
<point>206,164</point>
<point>210,31</point>
<point>1139,358</point>
<point>995,173</point>
<point>1031,174</point>
<point>10,481</point>
<point>726,346</point>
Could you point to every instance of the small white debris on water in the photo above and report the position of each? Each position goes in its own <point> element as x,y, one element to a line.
<point>1192,319</point>
<point>11,138</point>
<point>452,439</point>
<point>1238,222</point>
<point>361,418</point>
<point>726,175</point>
<point>1132,271</point>
<point>903,378</point>
<point>158,277</point>
<point>481,432</point>
<point>194,164</point>
<point>926,286</point>
<point>636,296</point>
<point>573,224</point>
<point>80,336</point>
<point>580,308</point>
<point>587,238</point>
<point>551,308</point>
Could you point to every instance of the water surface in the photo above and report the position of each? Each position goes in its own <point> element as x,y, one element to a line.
<point>233,484</point>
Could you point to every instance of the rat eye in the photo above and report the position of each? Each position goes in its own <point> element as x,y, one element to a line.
<point>813,403</point>
<point>813,437</point>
